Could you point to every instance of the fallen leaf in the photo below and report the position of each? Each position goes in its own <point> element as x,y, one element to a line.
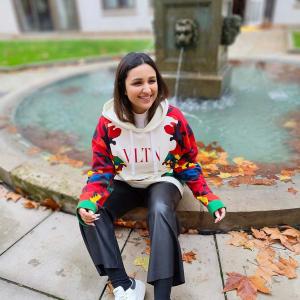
<point>232,281</point>
<point>288,267</point>
<point>224,175</point>
<point>143,233</point>
<point>189,256</point>
<point>291,232</point>
<point>30,204</point>
<point>13,196</point>
<point>244,286</point>
<point>259,284</point>
<point>33,150</point>
<point>127,224</point>
<point>110,287</point>
<point>259,234</point>
<point>142,261</point>
<point>11,129</point>
<point>217,181</point>
<point>50,203</point>
<point>147,250</point>
<point>290,124</point>
<point>292,190</point>
<point>240,238</point>
<point>285,178</point>
<point>246,289</point>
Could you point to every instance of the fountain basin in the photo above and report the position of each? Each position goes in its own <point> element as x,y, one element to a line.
<point>246,206</point>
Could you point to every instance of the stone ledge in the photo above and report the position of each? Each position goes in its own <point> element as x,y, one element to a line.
<point>245,209</point>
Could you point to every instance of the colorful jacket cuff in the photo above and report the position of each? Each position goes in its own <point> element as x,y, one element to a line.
<point>214,205</point>
<point>87,204</point>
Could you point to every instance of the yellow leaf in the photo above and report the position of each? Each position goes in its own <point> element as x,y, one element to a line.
<point>284,178</point>
<point>238,160</point>
<point>224,175</point>
<point>142,261</point>
<point>290,124</point>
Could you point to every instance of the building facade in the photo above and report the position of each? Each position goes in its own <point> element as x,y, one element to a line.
<point>22,16</point>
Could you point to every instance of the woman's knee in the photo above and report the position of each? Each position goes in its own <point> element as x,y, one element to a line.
<point>159,208</point>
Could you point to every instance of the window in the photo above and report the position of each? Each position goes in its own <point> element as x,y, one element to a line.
<point>117,4</point>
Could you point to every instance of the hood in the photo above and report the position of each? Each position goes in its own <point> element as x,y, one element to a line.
<point>161,112</point>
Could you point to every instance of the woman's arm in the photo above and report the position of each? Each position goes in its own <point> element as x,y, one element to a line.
<point>187,169</point>
<point>100,177</point>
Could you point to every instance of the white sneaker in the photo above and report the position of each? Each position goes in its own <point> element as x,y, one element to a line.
<point>135,292</point>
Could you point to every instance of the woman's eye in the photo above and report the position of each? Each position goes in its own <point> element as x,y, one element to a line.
<point>152,81</point>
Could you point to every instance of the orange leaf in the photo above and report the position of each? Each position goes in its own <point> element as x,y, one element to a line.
<point>288,267</point>
<point>12,196</point>
<point>240,238</point>
<point>189,256</point>
<point>30,204</point>
<point>259,234</point>
<point>291,232</point>
<point>143,233</point>
<point>292,190</point>
<point>274,233</point>
<point>247,290</point>
<point>265,273</point>
<point>232,281</point>
<point>147,250</point>
<point>259,284</point>
<point>33,150</point>
<point>50,203</point>
<point>128,224</point>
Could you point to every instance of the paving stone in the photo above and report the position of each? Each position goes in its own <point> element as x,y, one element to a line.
<point>14,292</point>
<point>53,259</point>
<point>202,277</point>
<point>237,259</point>
<point>16,221</point>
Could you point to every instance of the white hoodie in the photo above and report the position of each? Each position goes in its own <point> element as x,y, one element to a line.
<point>143,150</point>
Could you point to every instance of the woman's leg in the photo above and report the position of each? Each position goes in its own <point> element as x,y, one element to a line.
<point>101,241</point>
<point>165,259</point>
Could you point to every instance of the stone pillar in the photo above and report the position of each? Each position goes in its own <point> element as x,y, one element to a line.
<point>205,72</point>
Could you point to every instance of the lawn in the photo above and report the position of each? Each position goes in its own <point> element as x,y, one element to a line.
<point>14,53</point>
<point>296,39</point>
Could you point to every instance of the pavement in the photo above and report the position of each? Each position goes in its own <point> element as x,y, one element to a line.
<point>42,255</point>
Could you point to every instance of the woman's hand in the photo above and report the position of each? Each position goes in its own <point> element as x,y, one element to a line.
<point>220,214</point>
<point>88,216</point>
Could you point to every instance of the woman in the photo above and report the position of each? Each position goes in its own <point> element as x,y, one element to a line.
<point>143,153</point>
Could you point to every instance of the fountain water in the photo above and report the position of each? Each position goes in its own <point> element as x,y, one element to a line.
<point>178,73</point>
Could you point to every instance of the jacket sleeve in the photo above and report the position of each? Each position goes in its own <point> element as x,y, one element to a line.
<point>187,169</point>
<point>100,177</point>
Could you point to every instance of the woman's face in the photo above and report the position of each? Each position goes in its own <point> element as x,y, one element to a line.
<point>141,87</point>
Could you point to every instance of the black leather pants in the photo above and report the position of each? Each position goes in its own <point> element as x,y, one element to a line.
<point>161,199</point>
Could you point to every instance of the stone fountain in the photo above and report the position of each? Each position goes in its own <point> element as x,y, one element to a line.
<point>192,37</point>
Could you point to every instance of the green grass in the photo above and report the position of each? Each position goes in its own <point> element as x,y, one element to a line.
<point>296,39</point>
<point>14,53</point>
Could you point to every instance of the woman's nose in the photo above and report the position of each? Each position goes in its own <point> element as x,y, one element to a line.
<point>146,89</point>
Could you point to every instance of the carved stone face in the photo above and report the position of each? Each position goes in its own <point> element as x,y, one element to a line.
<point>186,32</point>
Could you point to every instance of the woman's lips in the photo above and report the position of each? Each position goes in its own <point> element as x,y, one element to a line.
<point>145,98</point>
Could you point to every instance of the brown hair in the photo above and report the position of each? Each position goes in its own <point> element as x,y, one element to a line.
<point>122,105</point>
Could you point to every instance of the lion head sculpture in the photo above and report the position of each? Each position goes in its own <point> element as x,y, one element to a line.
<point>186,32</point>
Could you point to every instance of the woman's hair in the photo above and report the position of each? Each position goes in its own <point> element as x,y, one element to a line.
<point>122,105</point>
